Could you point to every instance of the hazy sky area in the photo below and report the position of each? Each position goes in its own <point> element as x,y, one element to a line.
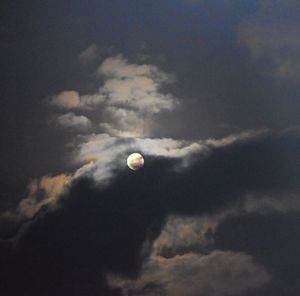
<point>207,91</point>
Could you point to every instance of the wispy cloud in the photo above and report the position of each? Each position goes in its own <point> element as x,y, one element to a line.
<point>128,99</point>
<point>272,34</point>
<point>71,120</point>
<point>44,191</point>
<point>219,273</point>
<point>94,53</point>
<point>67,99</point>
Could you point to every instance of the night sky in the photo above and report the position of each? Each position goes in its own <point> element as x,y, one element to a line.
<point>207,91</point>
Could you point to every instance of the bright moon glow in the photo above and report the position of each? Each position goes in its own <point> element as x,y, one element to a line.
<point>135,161</point>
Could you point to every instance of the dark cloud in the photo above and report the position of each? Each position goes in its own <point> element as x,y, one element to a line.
<point>111,229</point>
<point>236,65</point>
<point>273,240</point>
<point>193,274</point>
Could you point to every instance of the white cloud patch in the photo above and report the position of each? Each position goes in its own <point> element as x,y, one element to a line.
<point>219,273</point>
<point>129,98</point>
<point>122,122</point>
<point>135,86</point>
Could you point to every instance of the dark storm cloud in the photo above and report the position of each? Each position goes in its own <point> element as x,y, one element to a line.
<point>195,274</point>
<point>273,240</point>
<point>111,229</point>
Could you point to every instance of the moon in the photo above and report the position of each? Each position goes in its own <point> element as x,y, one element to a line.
<point>135,161</point>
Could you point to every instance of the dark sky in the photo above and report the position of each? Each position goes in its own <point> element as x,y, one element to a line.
<point>207,91</point>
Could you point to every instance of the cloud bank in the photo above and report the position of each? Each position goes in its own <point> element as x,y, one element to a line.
<point>216,274</point>
<point>131,214</point>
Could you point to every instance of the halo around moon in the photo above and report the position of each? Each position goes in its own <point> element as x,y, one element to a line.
<point>135,161</point>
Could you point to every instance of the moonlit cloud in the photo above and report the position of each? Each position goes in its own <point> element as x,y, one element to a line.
<point>129,98</point>
<point>71,99</point>
<point>122,122</point>
<point>70,120</point>
<point>196,233</point>
<point>102,153</point>
<point>219,273</point>
<point>67,99</point>
<point>44,191</point>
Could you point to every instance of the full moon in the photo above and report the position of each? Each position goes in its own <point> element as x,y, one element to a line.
<point>135,161</point>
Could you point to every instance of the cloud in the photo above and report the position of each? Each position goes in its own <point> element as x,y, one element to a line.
<point>103,153</point>
<point>219,273</point>
<point>135,86</point>
<point>134,211</point>
<point>119,67</point>
<point>130,96</point>
<point>231,176</point>
<point>70,99</point>
<point>182,235</point>
<point>67,99</point>
<point>234,173</point>
<point>94,53</point>
<point>122,122</point>
<point>196,233</point>
<point>44,191</point>
<point>70,120</point>
<point>89,54</point>
<point>272,33</point>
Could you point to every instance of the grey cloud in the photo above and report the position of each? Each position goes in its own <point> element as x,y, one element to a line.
<point>94,53</point>
<point>44,191</point>
<point>70,120</point>
<point>196,233</point>
<point>219,273</point>
<point>273,33</point>
<point>130,97</point>
<point>101,153</point>
<point>89,54</point>
<point>184,234</point>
